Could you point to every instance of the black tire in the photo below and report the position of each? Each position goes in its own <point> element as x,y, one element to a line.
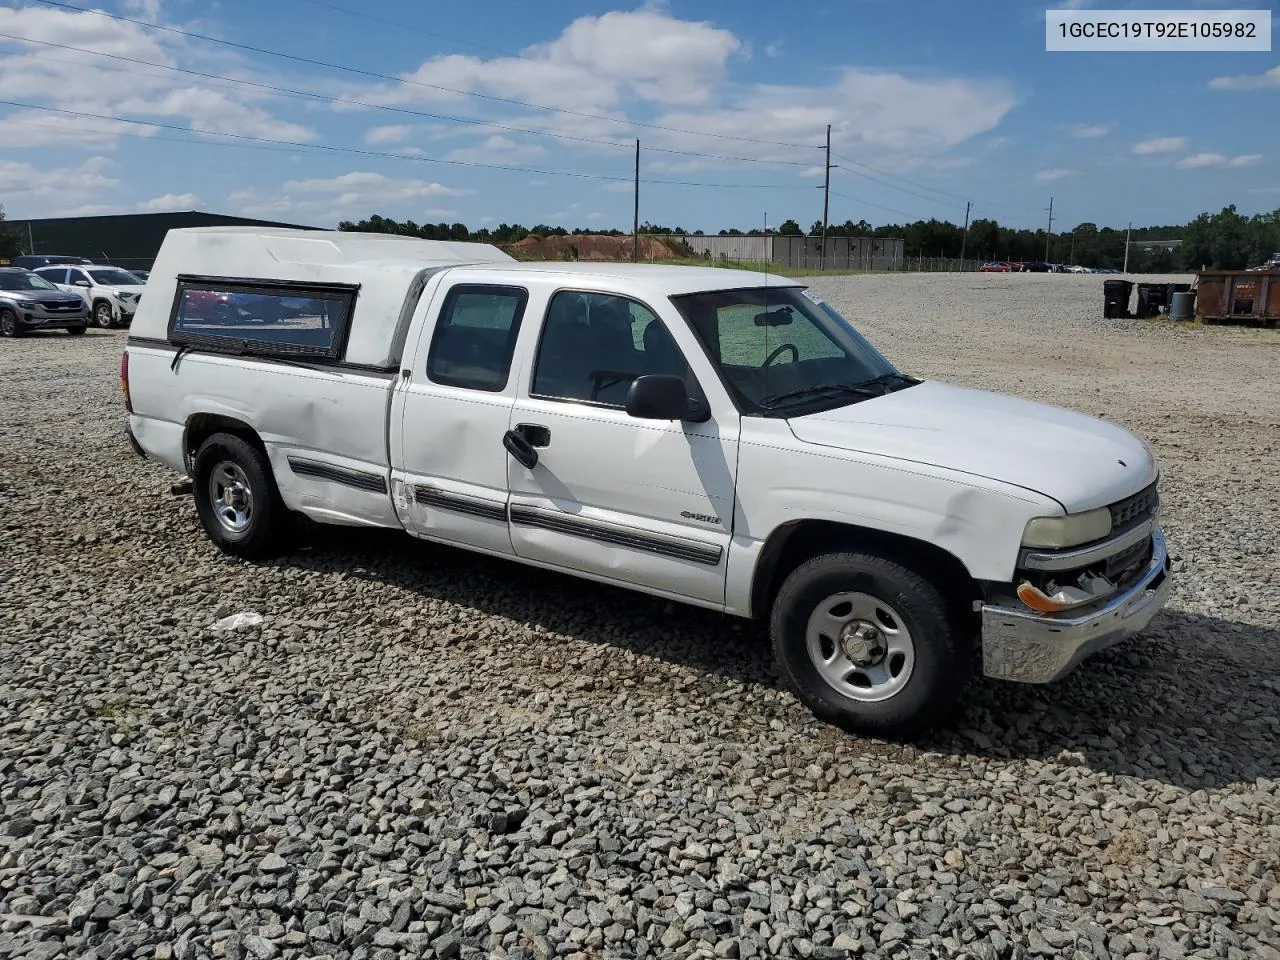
<point>76,331</point>
<point>264,531</point>
<point>942,646</point>
<point>103,315</point>
<point>9,325</point>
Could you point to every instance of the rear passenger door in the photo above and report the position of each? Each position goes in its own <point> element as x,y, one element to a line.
<point>450,411</point>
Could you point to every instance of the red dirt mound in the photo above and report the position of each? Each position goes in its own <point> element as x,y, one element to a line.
<point>589,247</point>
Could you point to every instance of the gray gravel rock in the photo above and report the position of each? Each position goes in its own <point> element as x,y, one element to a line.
<point>421,752</point>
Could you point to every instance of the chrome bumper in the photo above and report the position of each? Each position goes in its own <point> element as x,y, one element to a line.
<point>1032,648</point>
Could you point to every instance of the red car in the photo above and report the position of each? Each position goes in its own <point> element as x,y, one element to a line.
<point>208,305</point>
<point>996,266</point>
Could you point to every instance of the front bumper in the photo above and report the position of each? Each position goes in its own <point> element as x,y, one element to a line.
<point>39,320</point>
<point>1018,644</point>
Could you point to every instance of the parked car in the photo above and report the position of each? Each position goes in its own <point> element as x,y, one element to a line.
<point>29,302</point>
<point>141,274</point>
<point>995,266</point>
<point>112,294</point>
<point>28,262</point>
<point>719,438</point>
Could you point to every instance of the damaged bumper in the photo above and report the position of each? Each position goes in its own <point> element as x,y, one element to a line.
<point>1018,644</point>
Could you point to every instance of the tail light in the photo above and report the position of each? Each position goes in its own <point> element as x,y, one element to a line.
<point>124,381</point>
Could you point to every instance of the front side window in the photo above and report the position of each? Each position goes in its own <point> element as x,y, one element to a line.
<point>781,352</point>
<point>475,337</point>
<point>595,344</point>
<point>263,319</point>
<point>78,277</point>
<point>53,274</point>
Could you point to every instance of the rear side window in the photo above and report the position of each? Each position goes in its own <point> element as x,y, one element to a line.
<point>54,274</point>
<point>309,320</point>
<point>475,337</point>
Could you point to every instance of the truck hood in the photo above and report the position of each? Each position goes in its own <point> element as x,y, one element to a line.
<point>1078,460</point>
<point>43,296</point>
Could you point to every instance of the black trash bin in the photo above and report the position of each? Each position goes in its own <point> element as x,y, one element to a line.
<point>1151,297</point>
<point>1115,298</point>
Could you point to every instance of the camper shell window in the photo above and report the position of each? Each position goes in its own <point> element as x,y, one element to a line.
<point>263,317</point>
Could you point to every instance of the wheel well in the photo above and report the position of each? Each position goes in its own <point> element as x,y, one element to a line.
<point>201,426</point>
<point>97,301</point>
<point>794,543</point>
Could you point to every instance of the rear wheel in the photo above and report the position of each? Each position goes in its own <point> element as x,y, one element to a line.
<point>9,326</point>
<point>869,644</point>
<point>103,315</point>
<point>237,498</point>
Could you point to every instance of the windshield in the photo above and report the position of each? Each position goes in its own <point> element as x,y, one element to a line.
<point>24,281</point>
<point>114,278</point>
<point>781,351</point>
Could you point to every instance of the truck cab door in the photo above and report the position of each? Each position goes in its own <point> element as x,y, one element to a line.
<point>450,409</point>
<point>646,503</point>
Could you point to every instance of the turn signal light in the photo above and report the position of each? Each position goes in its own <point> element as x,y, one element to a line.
<point>124,381</point>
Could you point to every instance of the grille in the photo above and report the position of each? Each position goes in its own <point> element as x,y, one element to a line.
<point>1138,507</point>
<point>1118,567</point>
<point>65,306</point>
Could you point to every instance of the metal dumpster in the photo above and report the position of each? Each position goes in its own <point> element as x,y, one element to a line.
<point>1239,296</point>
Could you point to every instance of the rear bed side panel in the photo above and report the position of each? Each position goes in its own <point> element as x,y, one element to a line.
<point>322,427</point>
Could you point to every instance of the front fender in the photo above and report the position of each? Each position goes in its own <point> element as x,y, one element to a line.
<point>980,522</point>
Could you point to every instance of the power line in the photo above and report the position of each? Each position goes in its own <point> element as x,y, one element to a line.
<point>946,193</point>
<point>417,83</point>
<point>329,148</point>
<point>894,186</point>
<point>274,90</point>
<point>868,203</point>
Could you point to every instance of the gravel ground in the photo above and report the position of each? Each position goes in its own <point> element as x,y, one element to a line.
<point>421,752</point>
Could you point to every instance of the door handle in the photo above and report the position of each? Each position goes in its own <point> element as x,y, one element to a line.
<point>536,435</point>
<point>520,449</point>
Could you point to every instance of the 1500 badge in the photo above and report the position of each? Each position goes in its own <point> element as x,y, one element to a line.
<point>699,516</point>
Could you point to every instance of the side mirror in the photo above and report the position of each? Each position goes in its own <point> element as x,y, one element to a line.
<point>663,397</point>
<point>82,283</point>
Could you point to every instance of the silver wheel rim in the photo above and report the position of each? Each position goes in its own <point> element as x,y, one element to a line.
<point>8,325</point>
<point>231,497</point>
<point>860,646</point>
<point>103,314</point>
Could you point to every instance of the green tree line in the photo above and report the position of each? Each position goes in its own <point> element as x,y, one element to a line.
<point>1220,240</point>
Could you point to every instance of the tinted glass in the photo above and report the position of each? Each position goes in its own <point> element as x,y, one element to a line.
<point>263,320</point>
<point>114,278</point>
<point>595,344</point>
<point>54,274</point>
<point>475,336</point>
<point>24,281</point>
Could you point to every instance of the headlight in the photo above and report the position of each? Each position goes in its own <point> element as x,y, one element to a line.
<point>1069,531</point>
<point>28,304</point>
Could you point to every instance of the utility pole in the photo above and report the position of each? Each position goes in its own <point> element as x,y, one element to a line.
<point>31,240</point>
<point>635,219</point>
<point>1049,233</point>
<point>964,238</point>
<point>1127,231</point>
<point>1073,248</point>
<point>826,198</point>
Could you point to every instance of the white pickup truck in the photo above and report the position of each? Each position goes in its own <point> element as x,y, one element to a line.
<point>716,437</point>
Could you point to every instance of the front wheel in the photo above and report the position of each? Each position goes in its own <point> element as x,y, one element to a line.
<point>868,644</point>
<point>103,316</point>
<point>236,497</point>
<point>9,325</point>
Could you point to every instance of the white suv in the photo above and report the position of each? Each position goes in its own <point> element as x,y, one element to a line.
<point>112,293</point>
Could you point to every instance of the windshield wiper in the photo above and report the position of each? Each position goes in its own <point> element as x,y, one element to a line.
<point>859,390</point>
<point>885,379</point>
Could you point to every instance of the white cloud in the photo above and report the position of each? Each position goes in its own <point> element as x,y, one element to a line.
<point>498,149</point>
<point>1159,145</point>
<point>84,83</point>
<point>359,193</point>
<point>396,133</point>
<point>36,189</point>
<point>1052,176</point>
<point>1270,80</point>
<point>1217,160</point>
<point>596,60</point>
<point>146,9</point>
<point>170,202</point>
<point>773,50</point>
<point>1090,131</point>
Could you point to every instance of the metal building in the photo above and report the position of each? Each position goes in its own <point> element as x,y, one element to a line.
<point>842,253</point>
<point>126,240</point>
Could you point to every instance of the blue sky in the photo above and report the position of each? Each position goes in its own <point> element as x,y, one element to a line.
<point>931,103</point>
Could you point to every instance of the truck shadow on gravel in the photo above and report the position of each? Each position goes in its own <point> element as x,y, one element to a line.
<point>1194,702</point>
